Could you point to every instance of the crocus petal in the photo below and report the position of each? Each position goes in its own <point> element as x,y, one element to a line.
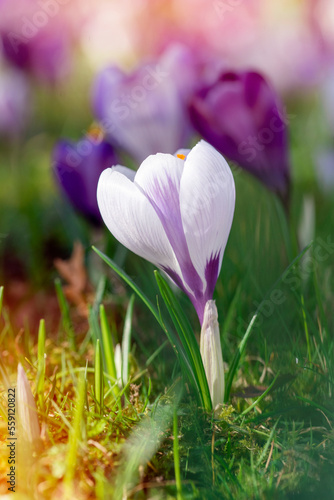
<point>159,178</point>
<point>242,116</point>
<point>77,167</point>
<point>131,218</point>
<point>142,112</point>
<point>207,199</point>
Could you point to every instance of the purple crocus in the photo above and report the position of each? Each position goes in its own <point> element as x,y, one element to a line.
<point>176,212</point>
<point>78,167</point>
<point>241,116</point>
<point>144,112</point>
<point>45,54</point>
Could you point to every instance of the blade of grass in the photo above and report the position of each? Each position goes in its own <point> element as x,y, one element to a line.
<point>236,359</point>
<point>126,340</point>
<point>41,364</point>
<point>107,343</point>
<point>177,457</point>
<point>98,378</point>
<point>259,399</point>
<point>266,446</point>
<point>309,355</point>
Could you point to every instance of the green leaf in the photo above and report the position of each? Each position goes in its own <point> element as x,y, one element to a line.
<point>188,340</point>
<point>98,379</point>
<point>41,363</point>
<point>107,344</point>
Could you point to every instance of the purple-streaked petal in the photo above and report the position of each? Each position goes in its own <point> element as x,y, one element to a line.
<point>159,178</point>
<point>130,217</point>
<point>207,199</point>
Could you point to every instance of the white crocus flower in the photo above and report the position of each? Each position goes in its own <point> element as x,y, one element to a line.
<point>176,212</point>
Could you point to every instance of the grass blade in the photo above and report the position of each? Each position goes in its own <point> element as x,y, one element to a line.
<point>41,364</point>
<point>177,457</point>
<point>98,378</point>
<point>259,399</point>
<point>126,340</point>
<point>107,344</point>
<point>235,362</point>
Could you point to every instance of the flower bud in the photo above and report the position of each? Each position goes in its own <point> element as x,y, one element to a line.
<point>27,412</point>
<point>211,353</point>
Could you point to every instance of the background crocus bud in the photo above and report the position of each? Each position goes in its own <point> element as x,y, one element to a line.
<point>78,167</point>
<point>144,112</point>
<point>27,412</point>
<point>211,353</point>
<point>242,117</point>
<point>14,102</point>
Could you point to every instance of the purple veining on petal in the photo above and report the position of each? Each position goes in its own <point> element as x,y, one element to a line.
<point>175,277</point>
<point>211,275</point>
<point>198,302</point>
<point>166,203</point>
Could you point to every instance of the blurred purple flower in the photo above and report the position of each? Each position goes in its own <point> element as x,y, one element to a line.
<point>45,55</point>
<point>14,102</point>
<point>241,116</point>
<point>144,112</point>
<point>77,167</point>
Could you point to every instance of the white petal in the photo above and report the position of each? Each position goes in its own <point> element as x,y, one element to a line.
<point>207,199</point>
<point>131,218</point>
<point>159,178</point>
<point>128,172</point>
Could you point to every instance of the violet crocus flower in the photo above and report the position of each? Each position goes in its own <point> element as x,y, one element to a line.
<point>78,167</point>
<point>144,112</point>
<point>241,116</point>
<point>176,212</point>
<point>45,54</point>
